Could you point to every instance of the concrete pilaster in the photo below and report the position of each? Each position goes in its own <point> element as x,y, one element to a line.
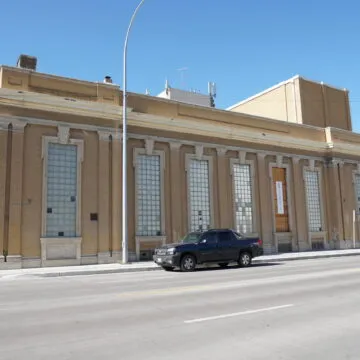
<point>265,204</point>
<point>104,183</point>
<point>224,187</point>
<point>175,184</point>
<point>334,204</point>
<point>302,237</point>
<point>116,195</point>
<point>16,200</point>
<point>3,164</point>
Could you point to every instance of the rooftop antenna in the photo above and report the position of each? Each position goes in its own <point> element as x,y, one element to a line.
<point>212,93</point>
<point>212,89</point>
<point>167,86</point>
<point>182,76</point>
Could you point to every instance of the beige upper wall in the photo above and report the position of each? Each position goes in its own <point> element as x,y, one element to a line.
<point>280,102</point>
<point>30,94</point>
<point>301,101</point>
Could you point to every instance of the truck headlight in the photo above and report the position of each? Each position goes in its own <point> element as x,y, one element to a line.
<point>171,251</point>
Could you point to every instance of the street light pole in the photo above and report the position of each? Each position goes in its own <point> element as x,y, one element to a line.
<point>124,148</point>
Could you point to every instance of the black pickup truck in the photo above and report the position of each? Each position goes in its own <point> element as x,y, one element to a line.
<point>220,246</point>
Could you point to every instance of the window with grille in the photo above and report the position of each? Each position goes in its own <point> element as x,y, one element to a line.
<point>357,191</point>
<point>61,190</point>
<point>243,200</point>
<point>312,186</point>
<point>199,195</point>
<point>148,197</point>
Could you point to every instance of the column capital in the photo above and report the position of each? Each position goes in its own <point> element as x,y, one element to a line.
<point>332,163</point>
<point>63,134</point>
<point>149,146</point>
<point>116,135</point>
<point>242,156</point>
<point>199,151</point>
<point>221,151</point>
<point>4,124</point>
<point>296,159</point>
<point>261,155</point>
<point>104,135</point>
<point>175,145</point>
<point>312,164</point>
<point>18,126</point>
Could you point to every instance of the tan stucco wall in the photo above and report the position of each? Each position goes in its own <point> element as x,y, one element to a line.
<point>89,190</point>
<point>301,101</point>
<point>101,166</point>
<point>97,187</point>
<point>272,104</point>
<point>3,148</point>
<point>33,182</point>
<point>348,198</point>
<point>324,106</point>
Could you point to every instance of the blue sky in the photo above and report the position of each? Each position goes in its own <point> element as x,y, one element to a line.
<point>243,46</point>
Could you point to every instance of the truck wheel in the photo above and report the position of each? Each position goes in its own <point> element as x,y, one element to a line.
<point>244,259</point>
<point>168,268</point>
<point>188,263</point>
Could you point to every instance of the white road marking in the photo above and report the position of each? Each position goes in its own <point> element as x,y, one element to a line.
<point>224,316</point>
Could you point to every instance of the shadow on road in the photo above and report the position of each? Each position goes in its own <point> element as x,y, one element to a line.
<point>232,267</point>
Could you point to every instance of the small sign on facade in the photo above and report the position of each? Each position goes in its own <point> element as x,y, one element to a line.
<point>280,197</point>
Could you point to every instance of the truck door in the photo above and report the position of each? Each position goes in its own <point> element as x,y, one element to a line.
<point>227,246</point>
<point>208,247</point>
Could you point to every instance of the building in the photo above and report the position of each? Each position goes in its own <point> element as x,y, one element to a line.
<point>283,165</point>
<point>190,97</point>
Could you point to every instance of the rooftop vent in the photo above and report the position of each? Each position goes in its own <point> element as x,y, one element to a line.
<point>27,62</point>
<point>108,80</point>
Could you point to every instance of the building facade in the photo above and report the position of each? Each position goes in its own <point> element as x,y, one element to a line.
<point>294,181</point>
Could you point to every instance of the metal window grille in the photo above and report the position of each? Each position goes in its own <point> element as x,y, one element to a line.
<point>312,186</point>
<point>148,195</point>
<point>199,195</point>
<point>357,191</point>
<point>61,190</point>
<point>243,198</point>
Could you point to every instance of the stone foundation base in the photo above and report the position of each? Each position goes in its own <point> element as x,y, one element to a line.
<point>12,262</point>
<point>18,262</point>
<point>346,244</point>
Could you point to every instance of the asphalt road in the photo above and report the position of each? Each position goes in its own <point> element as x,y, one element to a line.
<point>297,310</point>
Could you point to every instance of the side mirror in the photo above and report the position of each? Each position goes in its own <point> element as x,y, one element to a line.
<point>203,241</point>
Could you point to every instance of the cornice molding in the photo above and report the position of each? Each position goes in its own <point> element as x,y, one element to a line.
<point>229,132</point>
<point>63,105</point>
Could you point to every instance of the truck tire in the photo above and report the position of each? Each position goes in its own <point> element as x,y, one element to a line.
<point>244,259</point>
<point>188,263</point>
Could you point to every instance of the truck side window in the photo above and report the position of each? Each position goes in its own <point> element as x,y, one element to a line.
<point>210,238</point>
<point>225,236</point>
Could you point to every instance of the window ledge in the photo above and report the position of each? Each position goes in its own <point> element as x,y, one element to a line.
<point>61,251</point>
<point>147,239</point>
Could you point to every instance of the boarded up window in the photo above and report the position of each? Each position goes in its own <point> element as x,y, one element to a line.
<point>280,200</point>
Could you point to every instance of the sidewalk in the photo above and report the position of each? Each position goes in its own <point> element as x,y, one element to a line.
<point>150,266</point>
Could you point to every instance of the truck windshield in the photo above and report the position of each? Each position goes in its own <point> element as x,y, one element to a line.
<point>191,238</point>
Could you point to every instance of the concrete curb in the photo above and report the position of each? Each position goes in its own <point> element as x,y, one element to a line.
<point>304,257</point>
<point>27,273</point>
<point>96,272</point>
